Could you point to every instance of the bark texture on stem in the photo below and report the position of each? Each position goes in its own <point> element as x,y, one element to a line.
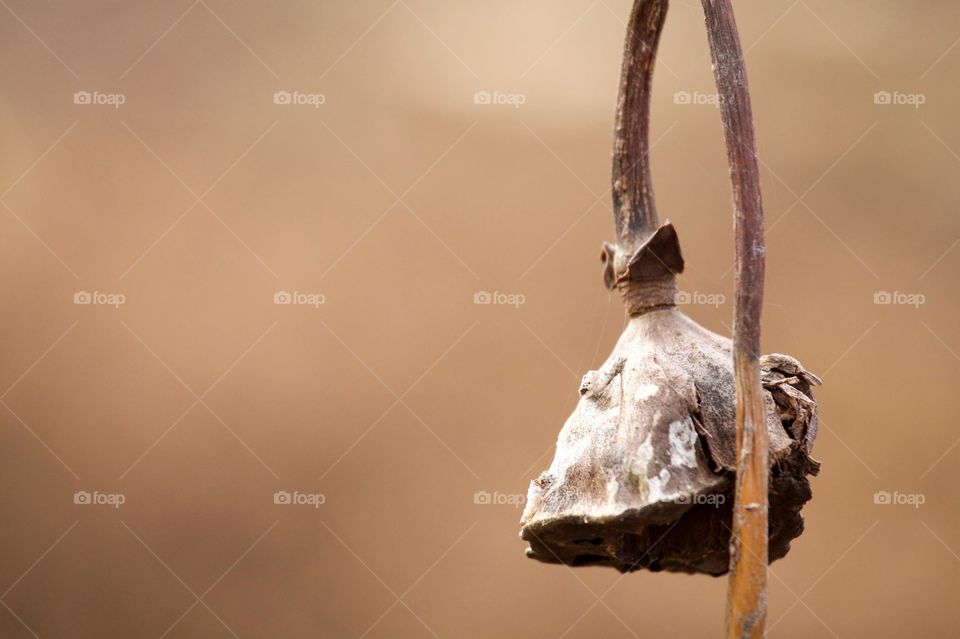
<point>747,595</point>
<point>634,210</point>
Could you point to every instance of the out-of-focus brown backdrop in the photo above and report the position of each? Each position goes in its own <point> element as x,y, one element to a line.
<point>172,173</point>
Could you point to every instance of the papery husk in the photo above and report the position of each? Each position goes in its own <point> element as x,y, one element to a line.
<point>643,470</point>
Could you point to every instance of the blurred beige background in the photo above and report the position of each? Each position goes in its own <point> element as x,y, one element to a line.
<point>384,190</point>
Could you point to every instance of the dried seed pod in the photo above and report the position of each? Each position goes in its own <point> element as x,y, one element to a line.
<point>642,476</point>
<point>644,471</point>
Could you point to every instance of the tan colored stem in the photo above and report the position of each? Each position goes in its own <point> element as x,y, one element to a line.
<point>747,593</point>
<point>747,589</point>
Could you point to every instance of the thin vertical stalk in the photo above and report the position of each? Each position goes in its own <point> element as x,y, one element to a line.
<point>635,213</point>
<point>747,590</point>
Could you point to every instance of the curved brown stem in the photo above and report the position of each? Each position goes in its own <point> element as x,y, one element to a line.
<point>635,213</point>
<point>747,594</point>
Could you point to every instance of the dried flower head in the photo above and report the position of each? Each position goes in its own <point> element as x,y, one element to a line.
<point>648,471</point>
<point>642,476</point>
